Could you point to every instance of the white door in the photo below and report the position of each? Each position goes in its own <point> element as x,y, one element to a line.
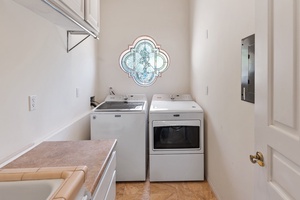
<point>277,100</point>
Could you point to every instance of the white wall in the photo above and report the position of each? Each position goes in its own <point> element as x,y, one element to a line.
<point>229,122</point>
<point>122,21</point>
<point>34,61</point>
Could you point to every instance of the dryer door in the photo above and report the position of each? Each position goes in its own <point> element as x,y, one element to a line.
<point>174,136</point>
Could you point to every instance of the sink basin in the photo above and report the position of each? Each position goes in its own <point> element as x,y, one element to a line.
<point>29,190</point>
<point>49,183</point>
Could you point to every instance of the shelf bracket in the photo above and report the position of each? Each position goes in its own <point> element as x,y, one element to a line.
<point>73,33</point>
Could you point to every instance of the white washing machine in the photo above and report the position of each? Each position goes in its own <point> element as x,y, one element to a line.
<point>176,139</point>
<point>124,117</point>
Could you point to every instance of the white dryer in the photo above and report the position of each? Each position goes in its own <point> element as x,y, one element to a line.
<point>176,139</point>
<point>124,117</point>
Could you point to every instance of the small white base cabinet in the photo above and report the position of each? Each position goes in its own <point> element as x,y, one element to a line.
<point>106,189</point>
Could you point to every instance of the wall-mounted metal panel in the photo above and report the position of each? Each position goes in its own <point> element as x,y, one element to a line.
<point>248,69</point>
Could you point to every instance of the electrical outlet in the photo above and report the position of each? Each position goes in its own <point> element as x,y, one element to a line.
<point>32,102</point>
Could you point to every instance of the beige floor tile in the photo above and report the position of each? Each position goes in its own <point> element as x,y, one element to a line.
<point>136,188</point>
<point>120,189</point>
<point>163,188</point>
<point>158,196</point>
<point>134,197</point>
<point>164,191</point>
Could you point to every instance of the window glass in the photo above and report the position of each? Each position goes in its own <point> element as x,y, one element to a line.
<point>144,61</point>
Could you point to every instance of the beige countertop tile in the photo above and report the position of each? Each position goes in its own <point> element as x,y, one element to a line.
<point>92,153</point>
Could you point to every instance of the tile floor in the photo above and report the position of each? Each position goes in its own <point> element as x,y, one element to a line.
<point>164,191</point>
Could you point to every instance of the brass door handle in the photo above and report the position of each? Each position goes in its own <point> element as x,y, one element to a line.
<point>258,158</point>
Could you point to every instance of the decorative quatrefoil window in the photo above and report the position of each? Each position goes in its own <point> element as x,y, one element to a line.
<point>144,61</point>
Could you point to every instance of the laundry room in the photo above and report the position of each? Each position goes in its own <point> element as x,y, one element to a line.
<point>202,43</point>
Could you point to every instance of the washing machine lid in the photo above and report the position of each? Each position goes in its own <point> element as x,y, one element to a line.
<point>173,103</point>
<point>113,106</point>
<point>174,107</point>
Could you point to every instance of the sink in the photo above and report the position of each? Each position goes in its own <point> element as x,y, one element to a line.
<point>49,183</point>
<point>29,190</point>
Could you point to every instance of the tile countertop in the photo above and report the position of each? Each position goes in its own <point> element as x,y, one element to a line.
<point>92,153</point>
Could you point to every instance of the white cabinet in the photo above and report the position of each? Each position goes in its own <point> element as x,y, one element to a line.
<point>92,13</point>
<point>88,10</point>
<point>106,189</point>
<point>74,15</point>
<point>76,6</point>
<point>112,190</point>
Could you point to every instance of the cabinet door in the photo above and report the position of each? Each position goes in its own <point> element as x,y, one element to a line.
<point>92,13</point>
<point>76,6</point>
<point>107,184</point>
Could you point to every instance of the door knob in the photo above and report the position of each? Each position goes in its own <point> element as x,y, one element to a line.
<point>258,158</point>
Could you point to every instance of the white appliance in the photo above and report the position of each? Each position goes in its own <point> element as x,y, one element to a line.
<point>176,139</point>
<point>124,117</point>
